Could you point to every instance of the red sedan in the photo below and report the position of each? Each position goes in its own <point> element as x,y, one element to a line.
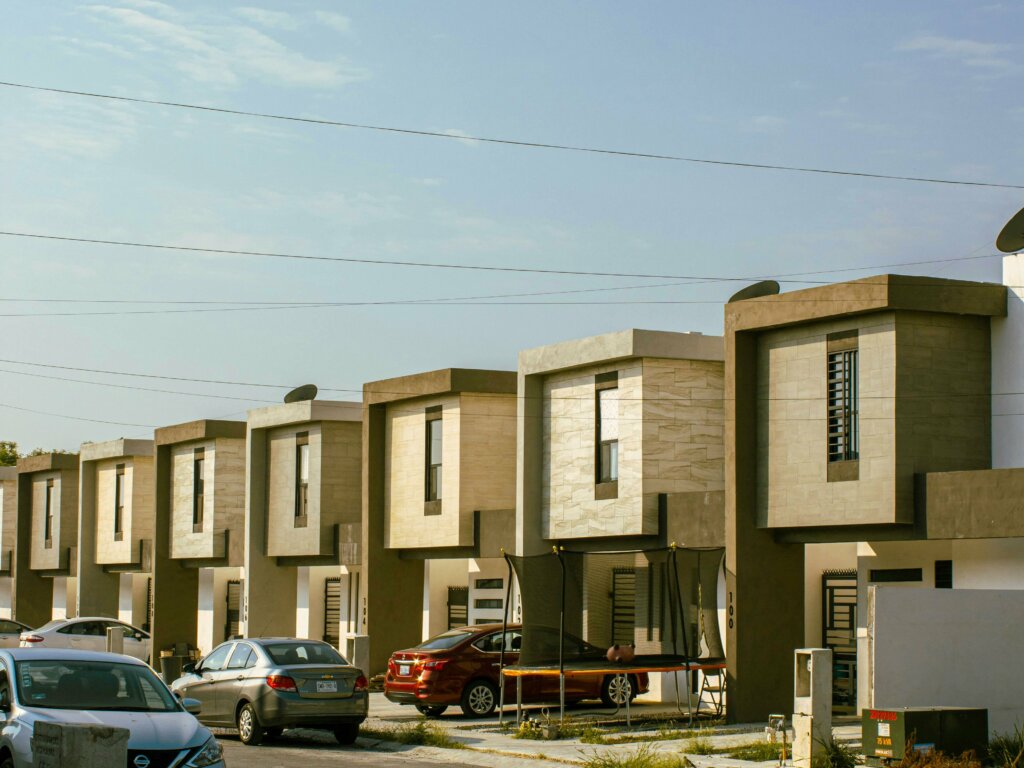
<point>461,666</point>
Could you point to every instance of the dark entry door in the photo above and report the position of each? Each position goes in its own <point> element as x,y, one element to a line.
<point>458,606</point>
<point>623,606</point>
<point>332,611</point>
<point>233,616</point>
<point>839,632</point>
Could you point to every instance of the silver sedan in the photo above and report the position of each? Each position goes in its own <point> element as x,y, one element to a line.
<point>263,685</point>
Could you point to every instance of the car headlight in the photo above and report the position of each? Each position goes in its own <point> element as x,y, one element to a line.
<point>210,754</point>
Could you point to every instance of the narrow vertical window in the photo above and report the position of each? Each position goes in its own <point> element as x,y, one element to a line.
<point>48,516</point>
<point>435,444</point>
<point>301,478</point>
<point>119,488</point>
<point>198,489</point>
<point>843,396</point>
<point>607,448</point>
<point>943,574</point>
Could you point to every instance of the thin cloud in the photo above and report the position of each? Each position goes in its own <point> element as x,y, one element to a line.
<point>765,124</point>
<point>267,18</point>
<point>335,21</point>
<point>462,136</point>
<point>970,53</point>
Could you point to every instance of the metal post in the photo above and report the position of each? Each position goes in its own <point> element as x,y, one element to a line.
<point>504,639</point>
<point>519,700</point>
<point>629,690</point>
<point>561,640</point>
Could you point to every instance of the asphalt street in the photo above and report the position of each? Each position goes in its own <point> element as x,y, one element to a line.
<point>296,753</point>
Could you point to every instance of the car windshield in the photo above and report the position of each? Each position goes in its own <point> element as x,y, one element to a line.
<point>92,685</point>
<point>303,653</point>
<point>444,641</point>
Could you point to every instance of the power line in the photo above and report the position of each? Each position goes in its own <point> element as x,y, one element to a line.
<point>475,267</point>
<point>75,418</point>
<point>510,142</point>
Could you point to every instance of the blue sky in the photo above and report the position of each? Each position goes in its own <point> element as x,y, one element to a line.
<point>913,88</point>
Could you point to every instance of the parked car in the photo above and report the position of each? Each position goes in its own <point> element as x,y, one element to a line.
<point>263,685</point>
<point>87,633</point>
<point>462,667</point>
<point>69,686</point>
<point>10,632</point>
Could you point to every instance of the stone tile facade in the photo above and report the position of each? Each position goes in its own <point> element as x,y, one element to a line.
<point>64,530</point>
<point>224,499</point>
<point>138,509</point>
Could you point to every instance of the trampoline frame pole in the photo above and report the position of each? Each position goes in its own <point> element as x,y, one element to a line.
<point>504,634</point>
<point>686,642</point>
<point>561,642</point>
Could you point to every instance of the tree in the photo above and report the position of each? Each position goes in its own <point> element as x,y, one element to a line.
<point>8,453</point>
<point>47,451</point>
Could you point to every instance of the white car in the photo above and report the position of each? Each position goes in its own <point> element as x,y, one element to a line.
<point>65,686</point>
<point>87,633</point>
<point>11,632</point>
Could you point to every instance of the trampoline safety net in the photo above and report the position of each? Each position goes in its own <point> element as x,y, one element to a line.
<point>663,601</point>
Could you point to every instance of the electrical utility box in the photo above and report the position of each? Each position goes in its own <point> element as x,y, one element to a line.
<point>888,734</point>
<point>812,704</point>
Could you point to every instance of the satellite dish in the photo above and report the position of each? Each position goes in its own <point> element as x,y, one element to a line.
<point>305,392</point>
<point>1011,239</point>
<point>755,291</point>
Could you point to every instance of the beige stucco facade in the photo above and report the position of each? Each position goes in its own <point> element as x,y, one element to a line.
<point>220,536</point>
<point>478,467</point>
<point>54,555</point>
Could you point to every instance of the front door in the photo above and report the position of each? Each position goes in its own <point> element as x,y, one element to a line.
<point>839,632</point>
<point>203,684</point>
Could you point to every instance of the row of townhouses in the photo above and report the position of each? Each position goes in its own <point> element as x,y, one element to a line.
<point>835,439</point>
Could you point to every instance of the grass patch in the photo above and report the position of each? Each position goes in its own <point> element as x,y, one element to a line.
<point>644,757</point>
<point>1006,750</point>
<point>699,746</point>
<point>422,734</point>
<point>755,751</point>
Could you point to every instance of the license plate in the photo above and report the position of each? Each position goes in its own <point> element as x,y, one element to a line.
<point>403,670</point>
<point>326,686</point>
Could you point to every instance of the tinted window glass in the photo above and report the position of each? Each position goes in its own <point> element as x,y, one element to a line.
<point>91,685</point>
<point>303,653</point>
<point>9,628</point>
<point>240,658</point>
<point>492,643</point>
<point>218,658</point>
<point>445,641</point>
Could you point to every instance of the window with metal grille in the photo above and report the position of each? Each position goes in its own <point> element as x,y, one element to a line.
<point>301,478</point>
<point>119,489</point>
<point>198,489</point>
<point>48,519</point>
<point>843,427</point>
<point>435,444</point>
<point>607,407</point>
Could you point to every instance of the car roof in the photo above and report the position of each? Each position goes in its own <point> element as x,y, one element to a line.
<point>266,640</point>
<point>68,654</point>
<point>481,628</point>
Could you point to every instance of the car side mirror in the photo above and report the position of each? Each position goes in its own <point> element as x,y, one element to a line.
<point>192,706</point>
<point>190,667</point>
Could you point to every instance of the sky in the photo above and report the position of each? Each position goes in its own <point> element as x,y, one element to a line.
<point>928,88</point>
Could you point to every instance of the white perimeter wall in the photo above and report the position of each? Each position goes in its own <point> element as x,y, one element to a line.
<point>948,647</point>
<point>1008,370</point>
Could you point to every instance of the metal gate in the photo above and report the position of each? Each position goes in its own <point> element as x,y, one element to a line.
<point>623,606</point>
<point>148,626</point>
<point>839,632</point>
<point>233,616</point>
<point>458,607</point>
<point>332,611</point>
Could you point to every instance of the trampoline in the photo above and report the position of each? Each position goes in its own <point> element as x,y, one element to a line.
<point>659,606</point>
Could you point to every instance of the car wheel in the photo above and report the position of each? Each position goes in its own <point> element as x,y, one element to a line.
<point>249,729</point>
<point>429,710</point>
<point>346,733</point>
<point>7,762</point>
<point>479,699</point>
<point>616,689</point>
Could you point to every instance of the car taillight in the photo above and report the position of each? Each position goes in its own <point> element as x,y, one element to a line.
<point>392,666</point>
<point>435,666</point>
<point>31,639</point>
<point>282,683</point>
<point>361,685</point>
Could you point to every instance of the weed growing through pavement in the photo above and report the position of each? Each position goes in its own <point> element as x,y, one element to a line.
<point>422,733</point>
<point>644,757</point>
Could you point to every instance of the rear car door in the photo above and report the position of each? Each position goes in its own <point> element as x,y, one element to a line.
<point>85,635</point>
<point>489,656</point>
<point>236,676</point>
<point>136,642</point>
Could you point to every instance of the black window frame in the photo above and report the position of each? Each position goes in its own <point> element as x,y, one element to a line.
<point>119,483</point>
<point>301,519</point>
<point>433,487</point>
<point>198,489</point>
<point>606,486</point>
<point>842,406</point>
<point>48,516</point>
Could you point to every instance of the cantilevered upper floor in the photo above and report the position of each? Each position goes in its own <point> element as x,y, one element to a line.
<point>8,517</point>
<point>48,507</point>
<point>610,427</point>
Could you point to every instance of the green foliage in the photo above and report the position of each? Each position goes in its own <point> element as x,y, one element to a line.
<point>8,453</point>
<point>422,733</point>
<point>936,759</point>
<point>834,755</point>
<point>1006,750</point>
<point>47,451</point>
<point>755,751</point>
<point>644,757</point>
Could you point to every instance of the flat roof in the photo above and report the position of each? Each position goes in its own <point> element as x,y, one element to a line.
<point>203,429</point>
<point>47,462</point>
<point>304,411</point>
<point>441,382</point>
<point>115,449</point>
<point>620,345</point>
<point>869,294</point>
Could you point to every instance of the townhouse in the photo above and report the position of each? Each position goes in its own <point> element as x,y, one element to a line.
<point>8,535</point>
<point>303,521</point>
<point>116,530</point>
<point>44,563</point>
<point>438,503</point>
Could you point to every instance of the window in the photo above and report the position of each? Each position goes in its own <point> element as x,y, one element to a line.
<point>489,603</point>
<point>119,488</point>
<point>943,574</point>
<point>435,444</point>
<point>490,583</point>
<point>48,516</point>
<point>241,657</point>
<point>892,575</point>
<point>843,414</point>
<point>216,660</point>
<point>607,448</point>
<point>198,489</point>
<point>301,478</point>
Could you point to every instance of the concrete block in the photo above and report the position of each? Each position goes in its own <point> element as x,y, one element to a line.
<point>85,746</point>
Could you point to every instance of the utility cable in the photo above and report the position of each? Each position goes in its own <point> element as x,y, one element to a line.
<point>510,142</point>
